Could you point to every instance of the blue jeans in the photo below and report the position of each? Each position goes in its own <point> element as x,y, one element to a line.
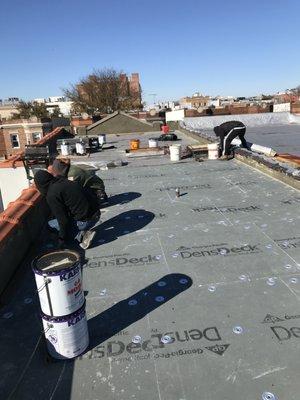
<point>77,228</point>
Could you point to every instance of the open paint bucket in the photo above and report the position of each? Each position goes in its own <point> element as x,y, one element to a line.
<point>213,151</point>
<point>66,337</point>
<point>175,150</point>
<point>59,282</point>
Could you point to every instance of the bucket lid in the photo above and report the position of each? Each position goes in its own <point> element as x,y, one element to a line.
<point>55,262</point>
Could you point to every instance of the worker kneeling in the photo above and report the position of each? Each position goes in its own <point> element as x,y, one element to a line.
<point>74,208</point>
<point>227,132</point>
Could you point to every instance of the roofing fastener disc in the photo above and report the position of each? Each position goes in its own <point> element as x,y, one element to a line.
<point>287,266</point>
<point>28,300</point>
<point>271,281</point>
<point>158,257</point>
<point>8,315</point>
<point>212,288</point>
<point>161,283</point>
<point>166,339</point>
<point>159,299</point>
<point>269,246</point>
<point>237,330</point>
<point>293,280</point>
<point>103,292</point>
<point>223,252</point>
<point>132,302</point>
<point>268,396</point>
<point>175,255</point>
<point>136,339</point>
<point>183,281</point>
<point>244,278</point>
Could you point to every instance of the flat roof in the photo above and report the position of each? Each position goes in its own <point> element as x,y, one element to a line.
<point>282,138</point>
<point>217,270</point>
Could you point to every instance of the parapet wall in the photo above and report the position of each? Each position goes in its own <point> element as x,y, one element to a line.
<point>21,222</point>
<point>20,226</point>
<point>249,120</point>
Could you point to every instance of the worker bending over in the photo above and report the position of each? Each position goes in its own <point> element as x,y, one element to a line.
<point>227,132</point>
<point>74,207</point>
<point>85,178</point>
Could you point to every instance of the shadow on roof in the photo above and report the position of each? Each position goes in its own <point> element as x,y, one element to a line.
<point>135,307</point>
<point>123,224</point>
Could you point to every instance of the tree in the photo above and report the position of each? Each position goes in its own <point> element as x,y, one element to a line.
<point>102,91</point>
<point>56,113</point>
<point>31,109</point>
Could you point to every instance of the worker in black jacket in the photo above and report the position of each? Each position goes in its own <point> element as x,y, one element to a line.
<point>227,132</point>
<point>71,205</point>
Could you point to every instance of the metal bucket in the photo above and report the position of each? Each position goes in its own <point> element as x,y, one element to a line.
<point>66,337</point>
<point>59,282</point>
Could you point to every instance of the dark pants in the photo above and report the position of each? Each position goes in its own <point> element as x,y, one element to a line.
<point>225,142</point>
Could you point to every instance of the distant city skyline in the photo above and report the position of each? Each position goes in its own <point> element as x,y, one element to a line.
<point>225,48</point>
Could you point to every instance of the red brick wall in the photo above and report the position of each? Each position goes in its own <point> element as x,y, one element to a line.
<point>7,141</point>
<point>295,108</point>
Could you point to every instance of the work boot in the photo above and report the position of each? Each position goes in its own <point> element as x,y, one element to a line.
<point>87,238</point>
<point>225,157</point>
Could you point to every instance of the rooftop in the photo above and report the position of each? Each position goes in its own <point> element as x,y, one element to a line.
<point>216,269</point>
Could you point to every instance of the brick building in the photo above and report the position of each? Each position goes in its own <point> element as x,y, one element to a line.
<point>194,101</point>
<point>15,134</point>
<point>130,87</point>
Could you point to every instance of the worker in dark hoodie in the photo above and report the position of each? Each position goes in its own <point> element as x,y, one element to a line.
<point>75,208</point>
<point>227,132</point>
<point>85,178</point>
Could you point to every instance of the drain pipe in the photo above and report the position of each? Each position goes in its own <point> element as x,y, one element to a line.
<point>257,148</point>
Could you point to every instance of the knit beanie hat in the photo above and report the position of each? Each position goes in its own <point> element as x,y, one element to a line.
<point>60,168</point>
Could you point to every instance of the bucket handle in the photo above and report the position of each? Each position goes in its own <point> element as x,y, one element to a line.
<point>46,281</point>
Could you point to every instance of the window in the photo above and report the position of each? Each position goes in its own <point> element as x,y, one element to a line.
<point>36,136</point>
<point>14,138</point>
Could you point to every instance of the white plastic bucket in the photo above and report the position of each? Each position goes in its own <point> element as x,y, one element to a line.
<point>213,151</point>
<point>59,282</point>
<point>175,150</point>
<point>153,143</point>
<point>65,149</point>
<point>80,148</point>
<point>102,139</point>
<point>66,337</point>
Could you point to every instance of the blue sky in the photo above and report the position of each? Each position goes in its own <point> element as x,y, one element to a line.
<point>178,47</point>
